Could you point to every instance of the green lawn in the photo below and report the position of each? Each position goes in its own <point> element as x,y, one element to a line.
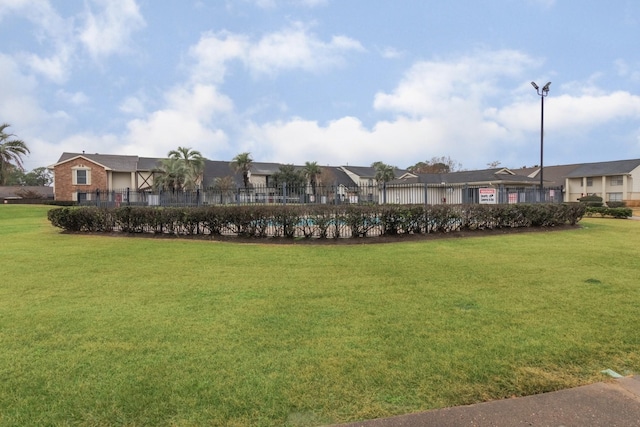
<point>101,331</point>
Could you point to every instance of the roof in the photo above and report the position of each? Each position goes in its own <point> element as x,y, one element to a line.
<point>618,167</point>
<point>497,175</point>
<point>14,191</point>
<point>369,171</point>
<point>114,162</point>
<point>552,175</point>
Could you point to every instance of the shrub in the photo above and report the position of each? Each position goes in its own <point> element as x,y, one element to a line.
<point>591,200</point>
<point>321,221</point>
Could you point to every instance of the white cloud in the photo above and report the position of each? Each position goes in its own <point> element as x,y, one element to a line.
<point>453,108</point>
<point>109,31</point>
<point>190,118</point>
<point>75,98</point>
<point>212,53</point>
<point>133,105</point>
<point>440,87</point>
<point>297,48</point>
<point>292,48</point>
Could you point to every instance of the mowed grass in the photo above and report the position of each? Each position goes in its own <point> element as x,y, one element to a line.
<point>101,331</point>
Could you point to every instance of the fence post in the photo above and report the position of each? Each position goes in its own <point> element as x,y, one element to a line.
<point>128,199</point>
<point>426,193</point>
<point>284,193</point>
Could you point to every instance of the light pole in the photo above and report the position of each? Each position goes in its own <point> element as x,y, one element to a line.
<point>542,93</point>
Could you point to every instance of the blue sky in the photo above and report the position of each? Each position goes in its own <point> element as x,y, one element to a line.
<point>333,81</point>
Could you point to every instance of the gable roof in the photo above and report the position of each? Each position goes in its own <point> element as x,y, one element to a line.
<point>114,162</point>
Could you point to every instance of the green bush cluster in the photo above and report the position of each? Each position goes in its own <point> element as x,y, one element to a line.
<point>591,200</point>
<point>320,221</point>
<point>616,212</point>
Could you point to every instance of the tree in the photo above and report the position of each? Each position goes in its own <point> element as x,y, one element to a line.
<point>494,164</point>
<point>289,175</point>
<point>193,166</point>
<point>11,152</point>
<point>384,172</point>
<point>242,163</point>
<point>172,174</point>
<point>38,177</point>
<point>444,164</point>
<point>224,186</point>
<point>312,171</point>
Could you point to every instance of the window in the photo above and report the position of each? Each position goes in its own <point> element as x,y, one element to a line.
<point>589,182</point>
<point>81,176</point>
<point>615,197</point>
<point>616,180</point>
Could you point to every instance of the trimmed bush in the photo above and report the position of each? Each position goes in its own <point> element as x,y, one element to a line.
<point>319,221</point>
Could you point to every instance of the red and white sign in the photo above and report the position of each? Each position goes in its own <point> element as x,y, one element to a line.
<point>488,196</point>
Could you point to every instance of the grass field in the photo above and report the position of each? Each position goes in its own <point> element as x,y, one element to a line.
<point>98,331</point>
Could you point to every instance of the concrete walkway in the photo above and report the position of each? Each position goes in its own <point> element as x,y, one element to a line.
<point>614,403</point>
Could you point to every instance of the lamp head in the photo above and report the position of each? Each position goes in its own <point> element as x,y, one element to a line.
<point>546,87</point>
<point>535,86</point>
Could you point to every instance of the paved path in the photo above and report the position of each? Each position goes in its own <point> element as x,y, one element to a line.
<point>614,403</point>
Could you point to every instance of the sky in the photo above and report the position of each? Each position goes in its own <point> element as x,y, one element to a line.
<point>338,82</point>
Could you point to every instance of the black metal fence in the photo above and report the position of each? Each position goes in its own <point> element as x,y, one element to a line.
<point>334,194</point>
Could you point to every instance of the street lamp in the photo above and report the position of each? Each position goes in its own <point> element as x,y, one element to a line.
<point>542,93</point>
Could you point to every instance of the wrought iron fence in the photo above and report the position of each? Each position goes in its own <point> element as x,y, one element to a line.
<point>333,194</point>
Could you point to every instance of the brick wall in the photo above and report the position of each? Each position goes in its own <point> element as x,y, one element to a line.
<point>63,178</point>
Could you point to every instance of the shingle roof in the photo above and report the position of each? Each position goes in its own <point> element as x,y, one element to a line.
<point>486,175</point>
<point>117,163</point>
<point>15,191</point>
<point>618,167</point>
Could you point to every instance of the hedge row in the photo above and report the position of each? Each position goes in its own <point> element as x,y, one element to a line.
<point>320,221</point>
<point>616,212</point>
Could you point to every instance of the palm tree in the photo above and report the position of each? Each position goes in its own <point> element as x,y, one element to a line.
<point>242,163</point>
<point>311,171</point>
<point>193,165</point>
<point>224,186</point>
<point>11,152</point>
<point>384,172</point>
<point>172,175</point>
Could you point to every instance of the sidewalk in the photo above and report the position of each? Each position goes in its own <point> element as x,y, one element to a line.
<point>614,403</point>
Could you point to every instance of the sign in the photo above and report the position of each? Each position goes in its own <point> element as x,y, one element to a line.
<point>488,196</point>
<point>513,197</point>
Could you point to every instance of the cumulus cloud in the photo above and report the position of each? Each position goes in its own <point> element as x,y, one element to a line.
<point>295,47</point>
<point>440,86</point>
<point>190,118</point>
<point>453,107</point>
<point>109,31</point>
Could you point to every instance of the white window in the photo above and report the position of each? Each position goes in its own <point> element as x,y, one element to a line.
<point>615,197</point>
<point>616,180</point>
<point>589,182</point>
<point>81,176</point>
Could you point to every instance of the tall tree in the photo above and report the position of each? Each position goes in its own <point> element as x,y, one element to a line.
<point>443,164</point>
<point>242,163</point>
<point>11,152</point>
<point>312,171</point>
<point>193,163</point>
<point>384,172</point>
